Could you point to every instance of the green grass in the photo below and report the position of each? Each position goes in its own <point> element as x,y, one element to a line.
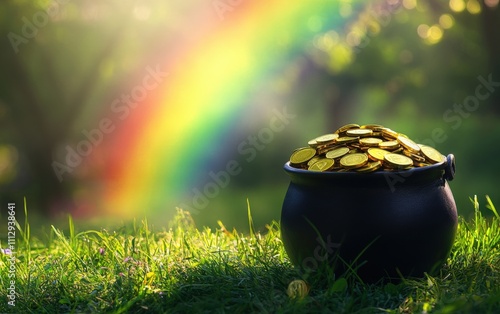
<point>184,269</point>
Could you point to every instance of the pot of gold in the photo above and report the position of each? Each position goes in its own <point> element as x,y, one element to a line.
<point>368,200</point>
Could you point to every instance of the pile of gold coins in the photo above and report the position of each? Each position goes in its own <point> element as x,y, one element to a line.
<point>363,148</point>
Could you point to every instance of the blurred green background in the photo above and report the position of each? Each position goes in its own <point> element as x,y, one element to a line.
<point>414,67</point>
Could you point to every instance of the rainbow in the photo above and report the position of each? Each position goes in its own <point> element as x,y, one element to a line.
<point>159,148</point>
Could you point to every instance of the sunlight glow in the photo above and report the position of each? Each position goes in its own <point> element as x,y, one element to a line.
<point>142,12</point>
<point>340,57</point>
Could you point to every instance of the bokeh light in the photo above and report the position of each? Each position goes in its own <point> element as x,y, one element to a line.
<point>435,34</point>
<point>491,3</point>
<point>473,7</point>
<point>345,9</point>
<point>409,4</point>
<point>457,5</point>
<point>423,31</point>
<point>446,21</point>
<point>8,163</point>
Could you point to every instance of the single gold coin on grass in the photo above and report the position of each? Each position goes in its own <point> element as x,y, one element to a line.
<point>297,289</point>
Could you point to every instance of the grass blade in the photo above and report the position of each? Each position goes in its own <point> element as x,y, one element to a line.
<point>250,220</point>
<point>491,207</point>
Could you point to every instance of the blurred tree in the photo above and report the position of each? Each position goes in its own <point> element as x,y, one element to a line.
<point>65,61</point>
<point>414,51</point>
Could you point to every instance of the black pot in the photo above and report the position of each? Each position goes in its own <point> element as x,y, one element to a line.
<point>380,224</point>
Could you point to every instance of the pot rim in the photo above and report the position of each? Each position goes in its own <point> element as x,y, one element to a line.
<point>448,165</point>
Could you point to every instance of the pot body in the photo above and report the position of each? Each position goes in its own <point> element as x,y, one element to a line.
<point>380,224</point>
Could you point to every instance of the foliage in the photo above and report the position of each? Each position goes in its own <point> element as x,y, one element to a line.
<point>402,67</point>
<point>135,269</point>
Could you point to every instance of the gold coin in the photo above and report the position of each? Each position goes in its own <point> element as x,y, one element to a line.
<point>417,158</point>
<point>320,150</point>
<point>336,153</point>
<point>408,144</point>
<point>421,164</point>
<point>313,160</point>
<point>413,156</point>
<point>389,145</point>
<point>377,154</point>
<point>388,133</point>
<point>370,141</point>
<point>297,289</point>
<point>370,167</point>
<point>346,127</point>
<point>431,154</point>
<point>327,138</point>
<point>351,161</point>
<point>364,149</point>
<point>346,139</point>
<point>397,151</point>
<point>313,143</point>
<point>374,127</point>
<point>322,164</point>
<point>355,151</point>
<point>398,161</point>
<point>359,132</point>
<point>302,155</point>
